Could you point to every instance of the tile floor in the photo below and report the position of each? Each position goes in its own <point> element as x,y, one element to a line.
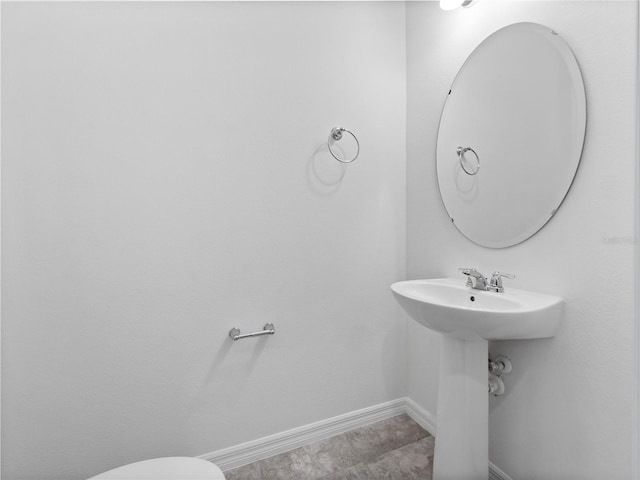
<point>393,449</point>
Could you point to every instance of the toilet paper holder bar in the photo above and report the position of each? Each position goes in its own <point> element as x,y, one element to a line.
<point>268,329</point>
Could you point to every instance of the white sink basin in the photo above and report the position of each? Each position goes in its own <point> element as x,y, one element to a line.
<point>468,319</point>
<point>447,306</point>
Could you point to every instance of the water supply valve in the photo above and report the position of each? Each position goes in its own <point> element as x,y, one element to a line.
<point>498,367</point>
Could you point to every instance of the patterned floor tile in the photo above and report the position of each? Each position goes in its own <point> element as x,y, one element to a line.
<point>248,472</point>
<point>334,454</point>
<point>357,472</point>
<point>376,439</point>
<point>393,449</point>
<point>294,465</point>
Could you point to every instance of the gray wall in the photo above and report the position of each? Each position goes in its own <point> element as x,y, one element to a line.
<point>567,411</point>
<point>165,178</point>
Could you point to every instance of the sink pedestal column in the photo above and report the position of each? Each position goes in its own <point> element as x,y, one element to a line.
<point>462,424</point>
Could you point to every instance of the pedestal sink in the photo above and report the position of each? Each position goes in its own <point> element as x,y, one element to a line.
<point>468,319</point>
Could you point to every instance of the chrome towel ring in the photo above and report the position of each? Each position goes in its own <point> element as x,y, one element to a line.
<point>335,135</point>
<point>461,151</point>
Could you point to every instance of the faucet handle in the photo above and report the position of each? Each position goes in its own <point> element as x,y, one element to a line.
<point>470,272</point>
<point>495,283</point>
<point>467,272</point>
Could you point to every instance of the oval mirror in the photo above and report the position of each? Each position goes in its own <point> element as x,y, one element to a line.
<point>511,135</point>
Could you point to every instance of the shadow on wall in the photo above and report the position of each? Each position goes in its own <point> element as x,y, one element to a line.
<point>243,366</point>
<point>324,173</point>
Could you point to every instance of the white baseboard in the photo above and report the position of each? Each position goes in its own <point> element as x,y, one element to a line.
<point>239,455</point>
<point>496,474</point>
<point>421,416</point>
<point>245,453</point>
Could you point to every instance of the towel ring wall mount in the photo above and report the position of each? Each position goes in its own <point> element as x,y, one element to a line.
<point>461,151</point>
<point>336,135</point>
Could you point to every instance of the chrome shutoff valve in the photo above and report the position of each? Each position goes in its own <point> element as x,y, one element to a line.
<point>498,367</point>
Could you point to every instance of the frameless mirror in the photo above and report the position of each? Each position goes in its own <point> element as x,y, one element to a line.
<point>511,135</point>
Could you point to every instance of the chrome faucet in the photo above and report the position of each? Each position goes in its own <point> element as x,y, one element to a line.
<point>479,282</point>
<point>474,278</point>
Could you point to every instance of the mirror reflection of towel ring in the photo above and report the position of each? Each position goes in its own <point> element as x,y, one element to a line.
<point>461,151</point>
<point>335,135</point>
